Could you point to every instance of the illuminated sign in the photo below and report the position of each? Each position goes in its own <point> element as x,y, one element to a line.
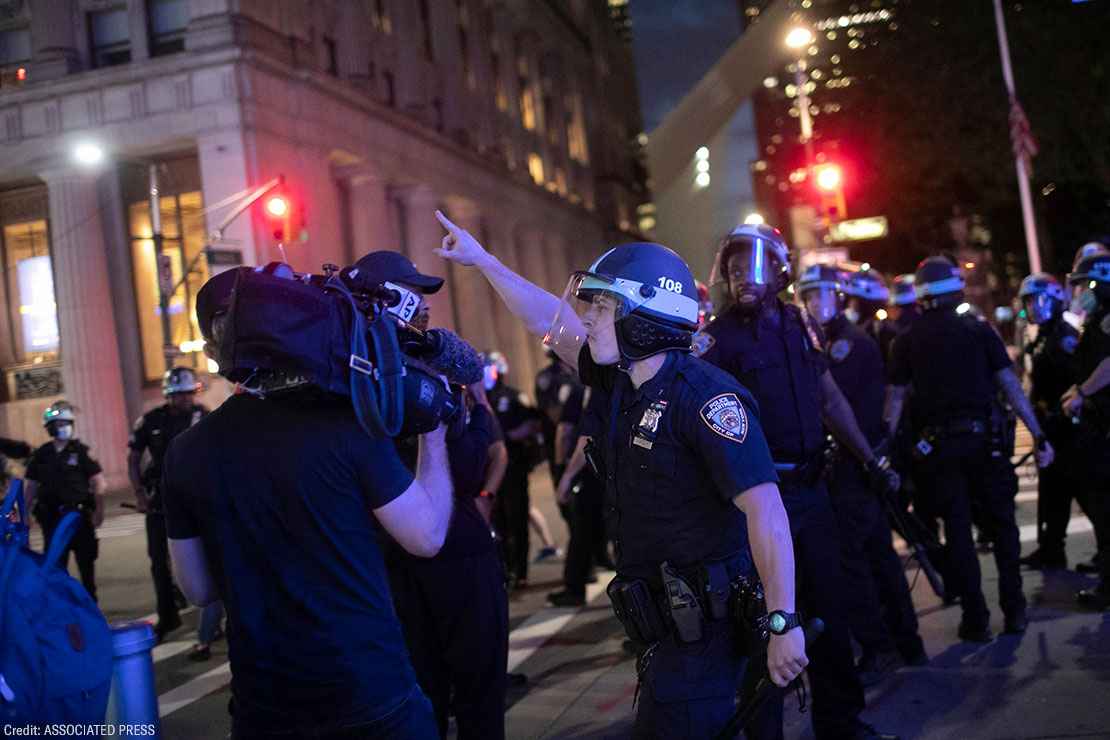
<point>37,311</point>
<point>859,229</point>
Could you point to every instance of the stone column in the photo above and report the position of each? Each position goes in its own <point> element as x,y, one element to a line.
<point>471,291</point>
<point>423,234</point>
<point>223,172</point>
<point>55,50</point>
<point>371,227</point>
<point>89,341</point>
<point>511,336</point>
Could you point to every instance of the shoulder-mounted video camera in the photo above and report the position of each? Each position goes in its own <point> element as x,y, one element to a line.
<point>331,333</point>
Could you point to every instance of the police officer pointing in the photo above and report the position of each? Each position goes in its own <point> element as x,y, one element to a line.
<point>683,457</point>
<point>956,363</point>
<point>152,435</point>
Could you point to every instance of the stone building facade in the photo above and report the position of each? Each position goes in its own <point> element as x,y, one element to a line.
<point>518,118</point>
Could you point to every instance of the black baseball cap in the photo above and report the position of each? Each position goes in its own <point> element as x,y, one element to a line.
<point>378,267</point>
<point>214,297</point>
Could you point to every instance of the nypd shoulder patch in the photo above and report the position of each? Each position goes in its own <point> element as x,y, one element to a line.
<point>840,349</point>
<point>725,415</point>
<point>701,343</point>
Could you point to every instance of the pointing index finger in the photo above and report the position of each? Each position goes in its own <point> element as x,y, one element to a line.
<point>446,222</point>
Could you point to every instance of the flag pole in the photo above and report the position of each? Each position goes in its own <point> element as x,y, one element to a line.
<point>1031,244</point>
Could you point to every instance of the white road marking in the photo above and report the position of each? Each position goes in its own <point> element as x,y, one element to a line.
<point>199,687</point>
<point>541,626</point>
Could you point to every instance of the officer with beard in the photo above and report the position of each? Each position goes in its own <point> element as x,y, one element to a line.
<point>775,350</point>
<point>876,582</point>
<point>1089,402</point>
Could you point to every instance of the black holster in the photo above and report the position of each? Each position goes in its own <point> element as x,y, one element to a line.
<point>636,608</point>
<point>747,608</point>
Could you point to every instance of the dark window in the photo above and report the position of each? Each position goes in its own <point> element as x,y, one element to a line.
<point>15,46</point>
<point>426,26</point>
<point>168,19</point>
<point>333,57</point>
<point>110,37</point>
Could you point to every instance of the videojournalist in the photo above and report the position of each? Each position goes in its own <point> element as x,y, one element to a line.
<point>453,607</point>
<point>273,504</point>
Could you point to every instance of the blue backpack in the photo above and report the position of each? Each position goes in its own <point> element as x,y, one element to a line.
<point>55,646</point>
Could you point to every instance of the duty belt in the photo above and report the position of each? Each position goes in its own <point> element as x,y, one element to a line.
<point>956,428</point>
<point>801,474</point>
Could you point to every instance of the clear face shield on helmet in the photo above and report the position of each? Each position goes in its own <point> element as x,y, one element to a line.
<point>590,309</point>
<point>822,303</point>
<point>1040,308</point>
<point>747,268</point>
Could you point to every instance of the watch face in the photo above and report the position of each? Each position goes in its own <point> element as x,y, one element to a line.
<point>778,622</point>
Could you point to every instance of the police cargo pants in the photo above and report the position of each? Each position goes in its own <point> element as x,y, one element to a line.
<point>837,693</point>
<point>84,546</point>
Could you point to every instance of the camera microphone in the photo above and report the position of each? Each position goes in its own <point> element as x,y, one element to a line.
<point>448,354</point>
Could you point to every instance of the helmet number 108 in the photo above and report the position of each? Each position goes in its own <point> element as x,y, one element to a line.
<point>674,286</point>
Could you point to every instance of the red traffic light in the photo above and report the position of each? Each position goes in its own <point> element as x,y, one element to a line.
<point>829,177</point>
<point>277,206</point>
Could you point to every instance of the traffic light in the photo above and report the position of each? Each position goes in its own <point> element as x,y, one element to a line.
<point>277,211</point>
<point>829,179</point>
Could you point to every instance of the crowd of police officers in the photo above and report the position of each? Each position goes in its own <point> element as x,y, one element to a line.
<point>664,422</point>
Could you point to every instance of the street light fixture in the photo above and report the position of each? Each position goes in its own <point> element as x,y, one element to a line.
<point>799,37</point>
<point>88,154</point>
<point>754,219</point>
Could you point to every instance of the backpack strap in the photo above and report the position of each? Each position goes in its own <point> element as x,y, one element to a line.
<point>13,498</point>
<point>9,530</point>
<point>60,540</point>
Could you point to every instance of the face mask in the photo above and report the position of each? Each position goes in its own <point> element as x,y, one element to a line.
<point>489,377</point>
<point>63,431</point>
<point>852,314</point>
<point>1086,303</point>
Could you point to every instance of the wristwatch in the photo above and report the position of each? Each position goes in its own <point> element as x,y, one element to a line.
<point>779,622</point>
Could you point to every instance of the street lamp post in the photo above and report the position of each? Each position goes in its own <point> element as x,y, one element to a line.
<point>799,39</point>
<point>163,266</point>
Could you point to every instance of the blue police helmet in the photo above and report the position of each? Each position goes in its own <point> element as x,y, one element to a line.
<point>657,292</point>
<point>1091,266</point>
<point>1042,282</point>
<point>902,290</point>
<point>937,280</point>
<point>868,285</point>
<point>819,276</point>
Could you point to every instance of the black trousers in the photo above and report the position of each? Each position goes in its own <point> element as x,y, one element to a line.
<point>84,546</point>
<point>960,469</point>
<point>455,614</point>
<point>158,548</point>
<point>511,521</point>
<point>837,693</point>
<point>878,602</point>
<point>587,533</point>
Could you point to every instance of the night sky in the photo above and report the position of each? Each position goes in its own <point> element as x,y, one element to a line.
<point>675,43</point>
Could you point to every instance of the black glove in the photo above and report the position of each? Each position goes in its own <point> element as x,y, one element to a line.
<point>881,476</point>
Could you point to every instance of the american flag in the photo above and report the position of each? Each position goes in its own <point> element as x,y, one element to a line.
<point>1021,136</point>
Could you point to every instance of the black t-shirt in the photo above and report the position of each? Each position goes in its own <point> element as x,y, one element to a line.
<point>950,360</point>
<point>281,494</point>
<point>512,410</point>
<point>677,451</point>
<point>63,476</point>
<point>468,457</point>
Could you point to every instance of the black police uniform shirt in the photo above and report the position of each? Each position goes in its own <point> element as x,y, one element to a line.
<point>468,458</point>
<point>1054,370</point>
<point>778,356</point>
<point>950,360</point>
<point>856,364</point>
<point>677,451</point>
<point>512,409</point>
<point>555,385</point>
<point>281,494</point>
<point>1094,347</point>
<point>63,477</point>
<point>153,432</point>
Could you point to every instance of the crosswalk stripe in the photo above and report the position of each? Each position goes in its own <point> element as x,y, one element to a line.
<point>198,688</point>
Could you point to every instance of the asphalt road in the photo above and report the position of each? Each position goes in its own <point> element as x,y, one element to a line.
<point>1052,682</point>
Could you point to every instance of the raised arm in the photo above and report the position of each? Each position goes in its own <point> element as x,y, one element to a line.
<point>527,301</point>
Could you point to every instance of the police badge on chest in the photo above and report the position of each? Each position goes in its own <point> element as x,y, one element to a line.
<point>648,428</point>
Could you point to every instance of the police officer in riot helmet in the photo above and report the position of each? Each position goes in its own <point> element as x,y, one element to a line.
<point>775,349</point>
<point>956,363</point>
<point>1053,372</point>
<point>62,477</point>
<point>901,310</point>
<point>880,608</point>
<point>1088,402</point>
<point>1076,310</point>
<point>149,441</point>
<point>867,294</point>
<point>683,457</point>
